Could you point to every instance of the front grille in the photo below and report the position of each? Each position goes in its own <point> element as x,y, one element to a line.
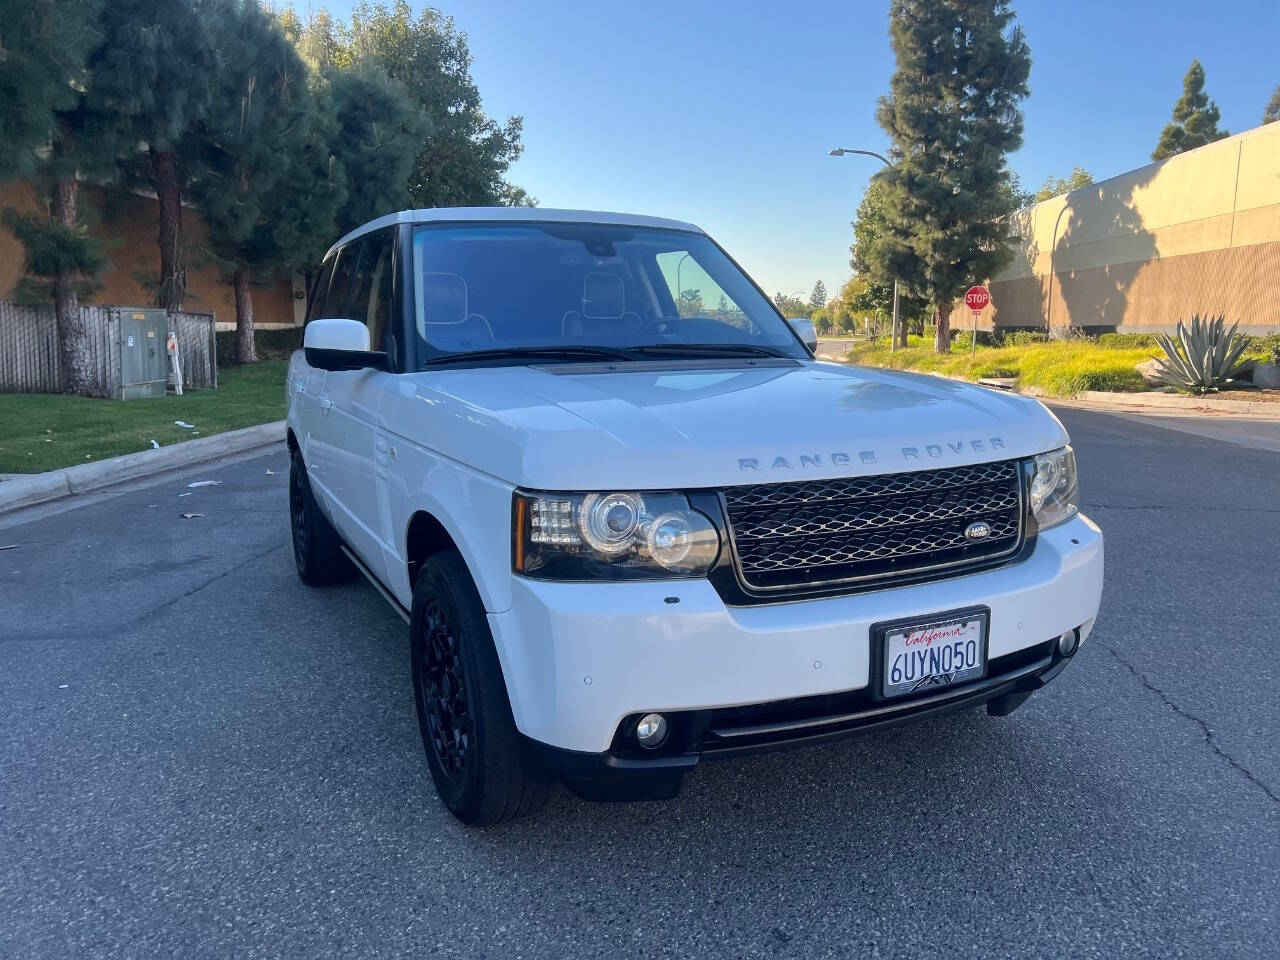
<point>817,533</point>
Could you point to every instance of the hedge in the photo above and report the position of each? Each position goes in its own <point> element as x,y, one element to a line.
<point>269,343</point>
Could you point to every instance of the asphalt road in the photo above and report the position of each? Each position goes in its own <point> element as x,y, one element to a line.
<point>200,757</point>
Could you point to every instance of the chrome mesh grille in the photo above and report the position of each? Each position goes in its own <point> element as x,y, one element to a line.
<point>820,532</point>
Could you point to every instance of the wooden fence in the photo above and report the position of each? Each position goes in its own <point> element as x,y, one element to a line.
<point>29,349</point>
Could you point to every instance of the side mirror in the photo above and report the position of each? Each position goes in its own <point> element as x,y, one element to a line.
<point>335,344</point>
<point>806,331</point>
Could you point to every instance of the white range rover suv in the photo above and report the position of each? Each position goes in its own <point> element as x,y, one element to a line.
<point>632,523</point>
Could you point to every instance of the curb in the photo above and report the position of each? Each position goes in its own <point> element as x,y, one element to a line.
<point>1174,402</point>
<point>72,481</point>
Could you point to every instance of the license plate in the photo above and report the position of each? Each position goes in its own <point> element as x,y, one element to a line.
<point>931,654</point>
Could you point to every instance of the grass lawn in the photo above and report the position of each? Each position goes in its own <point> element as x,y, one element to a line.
<point>1060,369</point>
<point>40,431</point>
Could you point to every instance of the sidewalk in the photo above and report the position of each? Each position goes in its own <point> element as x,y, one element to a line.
<point>26,490</point>
<point>1243,404</point>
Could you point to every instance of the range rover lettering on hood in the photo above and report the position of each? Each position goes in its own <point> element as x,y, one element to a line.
<point>839,458</point>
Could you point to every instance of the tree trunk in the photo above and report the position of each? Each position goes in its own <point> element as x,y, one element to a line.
<point>902,331</point>
<point>942,338</point>
<point>173,256</point>
<point>245,350</point>
<point>73,334</point>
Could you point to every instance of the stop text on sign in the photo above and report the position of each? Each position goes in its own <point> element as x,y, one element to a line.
<point>976,298</point>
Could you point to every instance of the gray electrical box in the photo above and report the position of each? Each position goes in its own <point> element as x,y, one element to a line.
<point>144,364</point>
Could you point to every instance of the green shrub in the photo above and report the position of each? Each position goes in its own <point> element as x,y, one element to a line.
<point>269,343</point>
<point>963,339</point>
<point>1128,341</point>
<point>1020,338</point>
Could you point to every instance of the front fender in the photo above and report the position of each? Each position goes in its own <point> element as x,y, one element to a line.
<point>474,509</point>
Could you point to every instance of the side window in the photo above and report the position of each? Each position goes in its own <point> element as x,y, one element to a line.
<point>370,300</point>
<point>335,300</point>
<point>320,288</point>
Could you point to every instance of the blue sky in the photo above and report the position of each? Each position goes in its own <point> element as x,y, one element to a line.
<point>722,113</point>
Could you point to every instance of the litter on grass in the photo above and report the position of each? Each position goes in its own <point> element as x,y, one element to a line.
<point>184,425</point>
<point>154,445</point>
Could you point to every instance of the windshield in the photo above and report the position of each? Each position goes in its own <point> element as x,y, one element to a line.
<point>633,292</point>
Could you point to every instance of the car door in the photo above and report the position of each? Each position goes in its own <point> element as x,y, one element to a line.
<point>331,301</point>
<point>355,396</point>
<point>306,384</point>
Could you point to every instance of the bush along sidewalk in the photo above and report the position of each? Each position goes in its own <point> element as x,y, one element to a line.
<point>1056,368</point>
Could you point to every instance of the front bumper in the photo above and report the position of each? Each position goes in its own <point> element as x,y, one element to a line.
<point>580,657</point>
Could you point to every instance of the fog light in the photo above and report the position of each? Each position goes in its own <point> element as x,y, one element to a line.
<point>651,730</point>
<point>1068,642</point>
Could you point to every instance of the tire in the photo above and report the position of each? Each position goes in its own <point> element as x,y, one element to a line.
<point>483,771</point>
<point>317,548</point>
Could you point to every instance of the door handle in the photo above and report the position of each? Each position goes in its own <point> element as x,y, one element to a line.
<point>326,404</point>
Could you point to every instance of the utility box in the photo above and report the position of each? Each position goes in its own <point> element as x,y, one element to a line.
<point>144,364</point>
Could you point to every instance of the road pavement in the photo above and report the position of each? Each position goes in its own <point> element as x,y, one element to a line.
<point>200,757</point>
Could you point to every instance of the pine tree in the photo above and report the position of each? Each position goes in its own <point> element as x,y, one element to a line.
<point>818,299</point>
<point>1272,113</point>
<point>1195,118</point>
<point>379,133</point>
<point>151,85</point>
<point>267,184</point>
<point>952,116</point>
<point>43,83</point>
<point>465,159</point>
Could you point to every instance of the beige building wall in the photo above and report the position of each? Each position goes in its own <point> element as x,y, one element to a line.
<point>1197,233</point>
<point>129,226</point>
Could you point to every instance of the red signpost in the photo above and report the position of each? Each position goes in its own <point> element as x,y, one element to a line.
<point>976,299</point>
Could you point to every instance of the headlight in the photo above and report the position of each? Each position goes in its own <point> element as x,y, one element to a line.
<point>601,536</point>
<point>1055,494</point>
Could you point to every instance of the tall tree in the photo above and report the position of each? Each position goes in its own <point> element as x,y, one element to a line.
<point>151,85</point>
<point>1053,187</point>
<point>44,45</point>
<point>952,116</point>
<point>1272,112</point>
<point>267,184</point>
<point>818,299</point>
<point>1195,118</point>
<point>873,262</point>
<point>379,133</point>
<point>791,305</point>
<point>466,157</point>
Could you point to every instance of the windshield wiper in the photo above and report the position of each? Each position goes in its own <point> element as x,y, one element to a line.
<point>531,353</point>
<point>707,349</point>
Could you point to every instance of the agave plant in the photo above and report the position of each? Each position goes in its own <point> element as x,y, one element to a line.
<point>1203,357</point>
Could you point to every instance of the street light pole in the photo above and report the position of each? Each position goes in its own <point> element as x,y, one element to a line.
<point>840,152</point>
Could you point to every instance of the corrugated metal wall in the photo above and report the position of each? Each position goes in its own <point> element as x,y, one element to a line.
<point>29,349</point>
<point>1197,233</point>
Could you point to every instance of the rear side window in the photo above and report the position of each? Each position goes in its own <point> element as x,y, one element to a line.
<point>335,300</point>
<point>370,300</point>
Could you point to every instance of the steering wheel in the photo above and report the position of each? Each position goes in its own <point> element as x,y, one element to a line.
<point>653,326</point>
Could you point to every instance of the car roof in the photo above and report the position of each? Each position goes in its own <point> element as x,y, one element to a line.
<point>513,215</point>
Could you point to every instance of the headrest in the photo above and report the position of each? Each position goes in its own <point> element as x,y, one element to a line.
<point>603,297</point>
<point>444,297</point>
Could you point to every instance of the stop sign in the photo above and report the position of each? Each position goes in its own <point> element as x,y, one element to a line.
<point>976,298</point>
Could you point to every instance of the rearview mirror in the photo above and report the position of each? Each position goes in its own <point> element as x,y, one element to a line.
<point>336,344</point>
<point>806,331</point>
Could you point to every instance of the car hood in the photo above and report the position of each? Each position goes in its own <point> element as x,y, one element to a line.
<point>681,425</point>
